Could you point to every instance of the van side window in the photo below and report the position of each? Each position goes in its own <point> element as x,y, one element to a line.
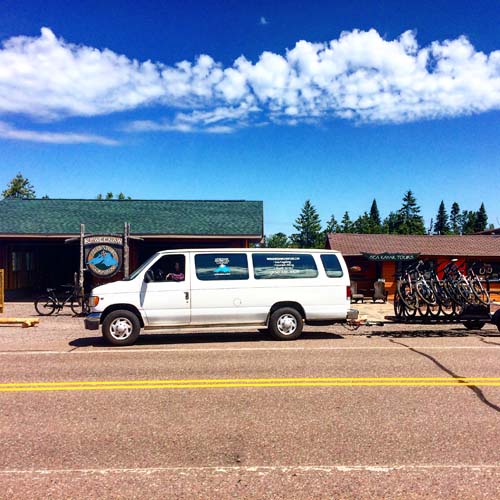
<point>283,266</point>
<point>221,266</point>
<point>168,268</point>
<point>332,266</point>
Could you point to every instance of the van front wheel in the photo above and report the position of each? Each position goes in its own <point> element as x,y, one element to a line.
<point>121,328</point>
<point>286,324</point>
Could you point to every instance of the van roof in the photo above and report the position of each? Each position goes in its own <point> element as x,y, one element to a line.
<point>255,250</point>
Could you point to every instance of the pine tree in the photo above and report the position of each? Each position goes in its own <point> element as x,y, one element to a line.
<point>455,225</point>
<point>332,226</point>
<point>362,225</point>
<point>481,219</point>
<point>308,225</point>
<point>346,225</point>
<point>409,219</point>
<point>19,187</point>
<point>468,222</point>
<point>441,226</point>
<point>375,222</point>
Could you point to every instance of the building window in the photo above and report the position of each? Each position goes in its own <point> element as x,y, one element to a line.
<point>283,266</point>
<point>221,266</point>
<point>22,261</point>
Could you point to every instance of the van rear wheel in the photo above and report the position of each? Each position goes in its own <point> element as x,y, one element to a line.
<point>121,328</point>
<point>286,324</point>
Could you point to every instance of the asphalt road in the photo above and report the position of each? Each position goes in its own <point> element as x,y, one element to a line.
<point>392,412</point>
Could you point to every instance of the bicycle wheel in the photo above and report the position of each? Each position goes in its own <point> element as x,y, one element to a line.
<point>399,307</point>
<point>426,293</point>
<point>45,305</point>
<point>481,294</point>
<point>80,305</point>
<point>408,296</point>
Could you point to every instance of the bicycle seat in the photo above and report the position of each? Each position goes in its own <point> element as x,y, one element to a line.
<point>50,289</point>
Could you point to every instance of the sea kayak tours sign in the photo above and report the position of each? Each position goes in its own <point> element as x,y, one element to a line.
<point>383,257</point>
<point>103,255</point>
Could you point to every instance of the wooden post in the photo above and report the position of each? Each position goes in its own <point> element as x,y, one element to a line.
<point>2,288</point>
<point>82,258</point>
<point>126,264</point>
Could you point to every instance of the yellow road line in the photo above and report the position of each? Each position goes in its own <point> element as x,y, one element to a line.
<point>251,382</point>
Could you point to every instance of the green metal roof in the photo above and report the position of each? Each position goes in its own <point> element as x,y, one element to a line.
<point>146,217</point>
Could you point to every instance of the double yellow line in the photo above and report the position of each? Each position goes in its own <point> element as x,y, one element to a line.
<point>115,385</point>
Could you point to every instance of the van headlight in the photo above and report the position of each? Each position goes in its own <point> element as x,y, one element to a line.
<point>93,300</point>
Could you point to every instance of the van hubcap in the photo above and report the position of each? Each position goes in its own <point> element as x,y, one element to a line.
<point>287,324</point>
<point>120,328</point>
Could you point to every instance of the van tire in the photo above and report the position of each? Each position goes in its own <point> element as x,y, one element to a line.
<point>121,328</point>
<point>286,324</point>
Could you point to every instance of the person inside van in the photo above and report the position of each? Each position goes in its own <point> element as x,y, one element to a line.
<point>177,275</point>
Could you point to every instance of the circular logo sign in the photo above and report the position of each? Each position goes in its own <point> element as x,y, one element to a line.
<point>103,260</point>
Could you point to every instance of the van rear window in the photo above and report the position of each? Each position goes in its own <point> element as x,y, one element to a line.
<point>332,266</point>
<point>283,266</point>
<point>221,266</point>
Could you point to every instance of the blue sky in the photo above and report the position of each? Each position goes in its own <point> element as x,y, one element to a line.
<point>272,102</point>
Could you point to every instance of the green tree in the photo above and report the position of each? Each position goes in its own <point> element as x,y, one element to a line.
<point>346,224</point>
<point>109,196</point>
<point>455,223</point>
<point>390,224</point>
<point>467,222</point>
<point>362,224</point>
<point>409,219</point>
<point>99,197</point>
<point>308,225</point>
<point>19,187</point>
<point>278,240</point>
<point>481,219</point>
<point>332,226</point>
<point>441,226</point>
<point>375,221</point>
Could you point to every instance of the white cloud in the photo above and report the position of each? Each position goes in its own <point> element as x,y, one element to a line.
<point>359,76</point>
<point>9,132</point>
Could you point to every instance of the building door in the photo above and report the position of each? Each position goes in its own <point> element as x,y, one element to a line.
<point>166,294</point>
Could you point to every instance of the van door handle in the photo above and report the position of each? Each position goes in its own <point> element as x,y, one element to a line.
<point>186,295</point>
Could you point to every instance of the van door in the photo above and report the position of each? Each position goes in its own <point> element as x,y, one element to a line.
<point>222,293</point>
<point>165,292</point>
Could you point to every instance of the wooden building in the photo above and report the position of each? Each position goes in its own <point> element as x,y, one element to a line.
<point>33,233</point>
<point>384,256</point>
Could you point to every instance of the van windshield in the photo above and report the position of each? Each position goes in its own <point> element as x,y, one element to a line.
<point>140,268</point>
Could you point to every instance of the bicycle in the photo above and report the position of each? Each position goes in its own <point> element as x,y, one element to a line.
<point>46,305</point>
<point>476,285</point>
<point>406,292</point>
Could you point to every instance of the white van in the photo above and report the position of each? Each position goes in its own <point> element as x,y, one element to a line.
<point>276,290</point>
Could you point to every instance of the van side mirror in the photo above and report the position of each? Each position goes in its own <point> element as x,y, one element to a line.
<point>148,277</point>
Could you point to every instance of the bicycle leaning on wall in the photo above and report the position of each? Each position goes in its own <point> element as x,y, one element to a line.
<point>50,303</point>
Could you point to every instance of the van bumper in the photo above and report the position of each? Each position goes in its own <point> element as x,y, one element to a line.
<point>92,321</point>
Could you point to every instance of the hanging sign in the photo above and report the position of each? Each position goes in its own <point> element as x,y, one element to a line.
<point>383,257</point>
<point>103,255</point>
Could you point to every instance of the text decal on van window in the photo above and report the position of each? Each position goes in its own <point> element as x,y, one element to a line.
<point>283,266</point>
<point>221,267</point>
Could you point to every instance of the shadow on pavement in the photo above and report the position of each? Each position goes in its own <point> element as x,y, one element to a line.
<point>420,333</point>
<point>199,338</point>
<point>476,390</point>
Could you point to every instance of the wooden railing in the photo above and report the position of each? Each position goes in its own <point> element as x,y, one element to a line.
<point>2,288</point>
